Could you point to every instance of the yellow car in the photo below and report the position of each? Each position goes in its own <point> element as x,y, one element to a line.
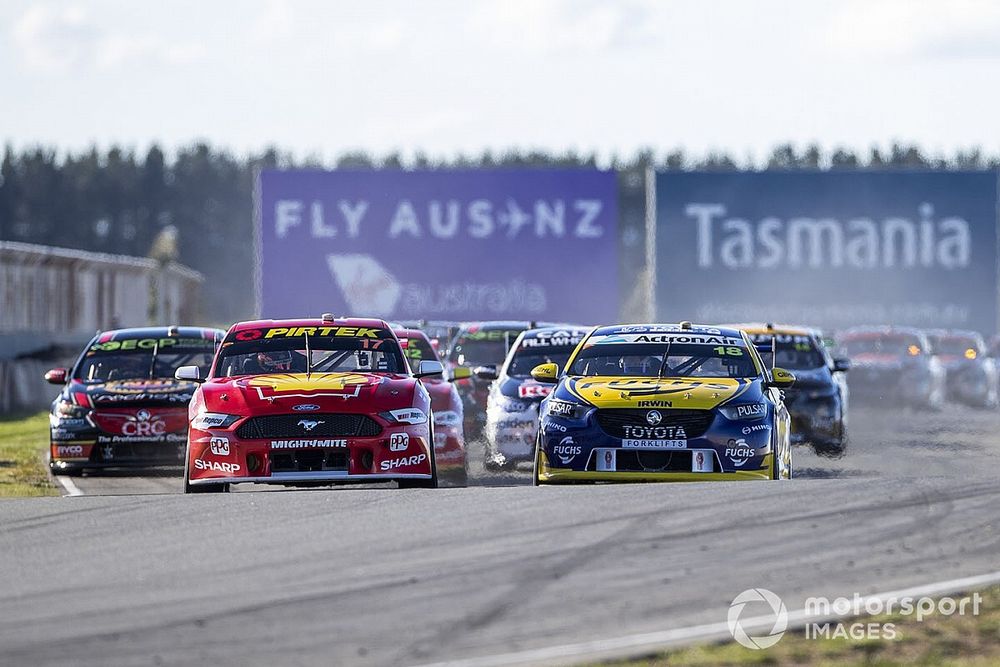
<point>663,402</point>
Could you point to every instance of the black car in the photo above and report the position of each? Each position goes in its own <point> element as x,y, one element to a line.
<point>818,400</point>
<point>439,332</point>
<point>120,405</point>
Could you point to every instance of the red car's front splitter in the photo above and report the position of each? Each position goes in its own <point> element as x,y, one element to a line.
<point>321,476</point>
<point>219,457</point>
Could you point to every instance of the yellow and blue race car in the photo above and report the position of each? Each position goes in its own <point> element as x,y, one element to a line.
<point>663,402</point>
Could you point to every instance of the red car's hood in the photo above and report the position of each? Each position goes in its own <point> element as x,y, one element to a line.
<point>281,393</point>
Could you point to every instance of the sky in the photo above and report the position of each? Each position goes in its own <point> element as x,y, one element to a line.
<point>321,78</point>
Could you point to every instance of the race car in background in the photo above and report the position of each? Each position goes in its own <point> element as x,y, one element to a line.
<point>818,400</point>
<point>663,402</point>
<point>310,402</point>
<point>120,405</point>
<point>512,406</point>
<point>439,333</point>
<point>971,375</point>
<point>895,365</point>
<point>446,405</point>
<point>480,344</point>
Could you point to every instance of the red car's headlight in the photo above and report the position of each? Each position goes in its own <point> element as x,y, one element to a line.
<point>207,420</point>
<point>404,416</point>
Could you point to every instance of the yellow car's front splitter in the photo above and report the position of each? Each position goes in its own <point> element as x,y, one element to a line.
<point>550,474</point>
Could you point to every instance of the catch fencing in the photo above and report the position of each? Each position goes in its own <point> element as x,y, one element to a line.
<point>52,300</point>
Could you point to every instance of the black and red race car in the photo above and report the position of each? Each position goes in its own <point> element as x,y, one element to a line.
<point>310,402</point>
<point>446,404</point>
<point>120,405</point>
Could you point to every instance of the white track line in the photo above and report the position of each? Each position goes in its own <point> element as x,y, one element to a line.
<point>632,645</point>
<point>67,483</point>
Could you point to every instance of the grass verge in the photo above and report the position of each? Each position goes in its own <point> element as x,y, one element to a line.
<point>23,440</point>
<point>955,640</point>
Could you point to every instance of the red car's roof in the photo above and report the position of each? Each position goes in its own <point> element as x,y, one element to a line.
<point>312,322</point>
<point>410,333</point>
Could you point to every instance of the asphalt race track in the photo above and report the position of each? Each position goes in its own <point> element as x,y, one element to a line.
<point>383,576</point>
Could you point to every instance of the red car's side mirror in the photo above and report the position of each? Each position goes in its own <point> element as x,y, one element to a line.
<point>56,376</point>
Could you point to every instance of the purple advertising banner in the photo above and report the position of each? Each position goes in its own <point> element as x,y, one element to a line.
<point>442,245</point>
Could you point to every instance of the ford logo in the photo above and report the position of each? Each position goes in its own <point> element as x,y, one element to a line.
<point>305,407</point>
<point>653,417</point>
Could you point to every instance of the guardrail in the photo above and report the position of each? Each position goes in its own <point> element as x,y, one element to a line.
<point>52,300</point>
<point>61,292</point>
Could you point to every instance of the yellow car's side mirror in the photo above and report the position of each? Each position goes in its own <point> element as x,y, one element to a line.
<point>547,373</point>
<point>781,378</point>
<point>460,373</point>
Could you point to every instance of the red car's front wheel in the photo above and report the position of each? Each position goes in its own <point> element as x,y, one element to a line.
<point>198,488</point>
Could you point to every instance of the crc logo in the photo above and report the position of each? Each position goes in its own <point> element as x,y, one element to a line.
<point>310,424</point>
<point>220,446</point>
<point>778,612</point>
<point>653,417</point>
<point>144,424</point>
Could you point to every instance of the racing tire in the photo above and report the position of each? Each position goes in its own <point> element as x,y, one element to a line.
<point>460,478</point>
<point>830,450</point>
<point>199,488</point>
<point>990,401</point>
<point>431,483</point>
<point>205,488</point>
<point>65,472</point>
<point>536,463</point>
<point>935,400</point>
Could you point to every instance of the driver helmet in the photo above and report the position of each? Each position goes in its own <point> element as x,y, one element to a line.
<point>636,365</point>
<point>275,360</point>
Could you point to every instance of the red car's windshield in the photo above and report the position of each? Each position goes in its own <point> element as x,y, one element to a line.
<point>374,351</point>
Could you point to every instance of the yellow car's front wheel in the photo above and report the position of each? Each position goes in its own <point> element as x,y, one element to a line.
<point>536,468</point>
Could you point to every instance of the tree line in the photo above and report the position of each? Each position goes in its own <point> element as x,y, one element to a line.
<point>119,200</point>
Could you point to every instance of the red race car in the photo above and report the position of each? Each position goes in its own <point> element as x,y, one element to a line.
<point>310,402</point>
<point>449,437</point>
